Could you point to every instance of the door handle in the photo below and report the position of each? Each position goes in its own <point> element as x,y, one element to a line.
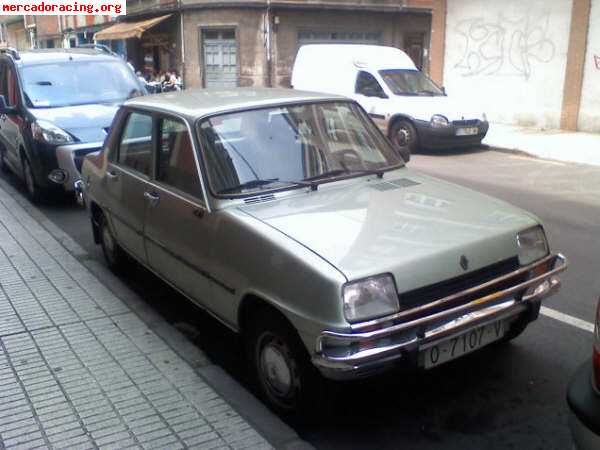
<point>152,197</point>
<point>112,175</point>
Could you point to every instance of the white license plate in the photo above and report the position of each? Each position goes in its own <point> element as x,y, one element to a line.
<point>467,131</point>
<point>462,344</point>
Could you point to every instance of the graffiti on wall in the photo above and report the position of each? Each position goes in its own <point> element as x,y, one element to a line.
<point>505,46</point>
<point>597,62</point>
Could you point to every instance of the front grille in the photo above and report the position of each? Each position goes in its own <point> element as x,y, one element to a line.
<point>79,156</point>
<point>466,123</point>
<point>446,288</point>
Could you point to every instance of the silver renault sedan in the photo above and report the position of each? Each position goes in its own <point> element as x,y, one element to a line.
<point>289,217</point>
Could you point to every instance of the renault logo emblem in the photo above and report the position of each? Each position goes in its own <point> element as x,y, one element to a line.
<point>464,262</point>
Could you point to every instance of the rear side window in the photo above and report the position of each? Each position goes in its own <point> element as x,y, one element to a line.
<point>176,162</point>
<point>135,147</point>
<point>8,85</point>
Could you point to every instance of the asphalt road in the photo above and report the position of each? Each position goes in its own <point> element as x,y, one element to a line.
<point>503,397</point>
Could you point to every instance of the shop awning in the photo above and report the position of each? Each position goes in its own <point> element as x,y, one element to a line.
<point>126,30</point>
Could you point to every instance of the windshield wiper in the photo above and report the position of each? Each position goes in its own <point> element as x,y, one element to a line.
<point>262,182</point>
<point>329,173</point>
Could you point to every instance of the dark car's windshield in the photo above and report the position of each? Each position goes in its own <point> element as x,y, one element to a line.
<point>72,83</point>
<point>272,148</point>
<point>409,82</point>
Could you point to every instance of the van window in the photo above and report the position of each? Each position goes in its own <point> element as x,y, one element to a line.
<point>367,85</point>
<point>409,82</point>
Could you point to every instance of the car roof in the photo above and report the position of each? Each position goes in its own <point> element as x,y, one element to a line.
<point>40,56</point>
<point>196,103</point>
<point>376,57</point>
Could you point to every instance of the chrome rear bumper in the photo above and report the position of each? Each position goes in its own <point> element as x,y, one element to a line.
<point>372,346</point>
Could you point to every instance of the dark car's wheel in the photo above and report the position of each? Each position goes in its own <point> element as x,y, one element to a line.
<point>404,135</point>
<point>516,329</point>
<point>33,190</point>
<point>3,165</point>
<point>280,364</point>
<point>113,253</point>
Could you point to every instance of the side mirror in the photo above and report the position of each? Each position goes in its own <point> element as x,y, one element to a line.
<point>4,108</point>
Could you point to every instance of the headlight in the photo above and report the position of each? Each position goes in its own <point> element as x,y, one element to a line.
<point>47,132</point>
<point>532,245</point>
<point>438,121</point>
<point>369,298</point>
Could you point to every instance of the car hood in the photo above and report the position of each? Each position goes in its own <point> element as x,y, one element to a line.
<point>423,107</point>
<point>408,224</point>
<point>88,123</point>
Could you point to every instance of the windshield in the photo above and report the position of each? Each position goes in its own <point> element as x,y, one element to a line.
<point>409,82</point>
<point>72,83</point>
<point>283,146</point>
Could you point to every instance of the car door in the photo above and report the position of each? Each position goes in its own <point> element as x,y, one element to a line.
<point>370,95</point>
<point>10,124</point>
<point>126,180</point>
<point>178,228</point>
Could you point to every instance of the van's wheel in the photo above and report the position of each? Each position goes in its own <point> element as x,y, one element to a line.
<point>33,190</point>
<point>404,135</point>
<point>113,253</point>
<point>280,365</point>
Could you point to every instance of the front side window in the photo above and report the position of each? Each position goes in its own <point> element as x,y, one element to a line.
<point>76,82</point>
<point>409,82</point>
<point>135,147</point>
<point>367,85</point>
<point>176,162</point>
<point>279,147</point>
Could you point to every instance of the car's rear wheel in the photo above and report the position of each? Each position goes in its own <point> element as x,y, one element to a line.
<point>113,253</point>
<point>404,135</point>
<point>33,190</point>
<point>279,364</point>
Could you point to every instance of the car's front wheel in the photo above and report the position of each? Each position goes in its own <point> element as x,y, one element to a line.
<point>33,190</point>
<point>280,364</point>
<point>113,253</point>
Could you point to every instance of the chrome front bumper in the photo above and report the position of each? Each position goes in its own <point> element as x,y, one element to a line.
<point>374,345</point>
<point>70,159</point>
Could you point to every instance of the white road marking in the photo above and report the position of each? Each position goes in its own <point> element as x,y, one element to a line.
<point>543,161</point>
<point>570,320</point>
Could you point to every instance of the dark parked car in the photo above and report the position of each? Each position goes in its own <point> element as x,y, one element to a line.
<point>584,398</point>
<point>56,106</point>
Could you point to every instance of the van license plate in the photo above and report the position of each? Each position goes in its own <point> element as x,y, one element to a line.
<point>468,131</point>
<point>462,344</point>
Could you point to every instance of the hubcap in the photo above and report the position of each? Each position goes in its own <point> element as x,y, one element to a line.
<point>276,370</point>
<point>403,137</point>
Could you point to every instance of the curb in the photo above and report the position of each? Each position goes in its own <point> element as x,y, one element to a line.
<point>270,426</point>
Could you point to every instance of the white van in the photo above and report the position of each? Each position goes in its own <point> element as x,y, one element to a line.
<point>409,107</point>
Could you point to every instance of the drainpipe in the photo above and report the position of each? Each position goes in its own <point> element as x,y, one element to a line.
<point>182,44</point>
<point>267,32</point>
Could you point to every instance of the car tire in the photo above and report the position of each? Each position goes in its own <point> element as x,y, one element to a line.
<point>404,135</point>
<point>3,165</point>
<point>33,190</point>
<point>113,253</point>
<point>280,365</point>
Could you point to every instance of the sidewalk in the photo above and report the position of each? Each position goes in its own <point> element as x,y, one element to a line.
<point>80,369</point>
<point>568,146</point>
